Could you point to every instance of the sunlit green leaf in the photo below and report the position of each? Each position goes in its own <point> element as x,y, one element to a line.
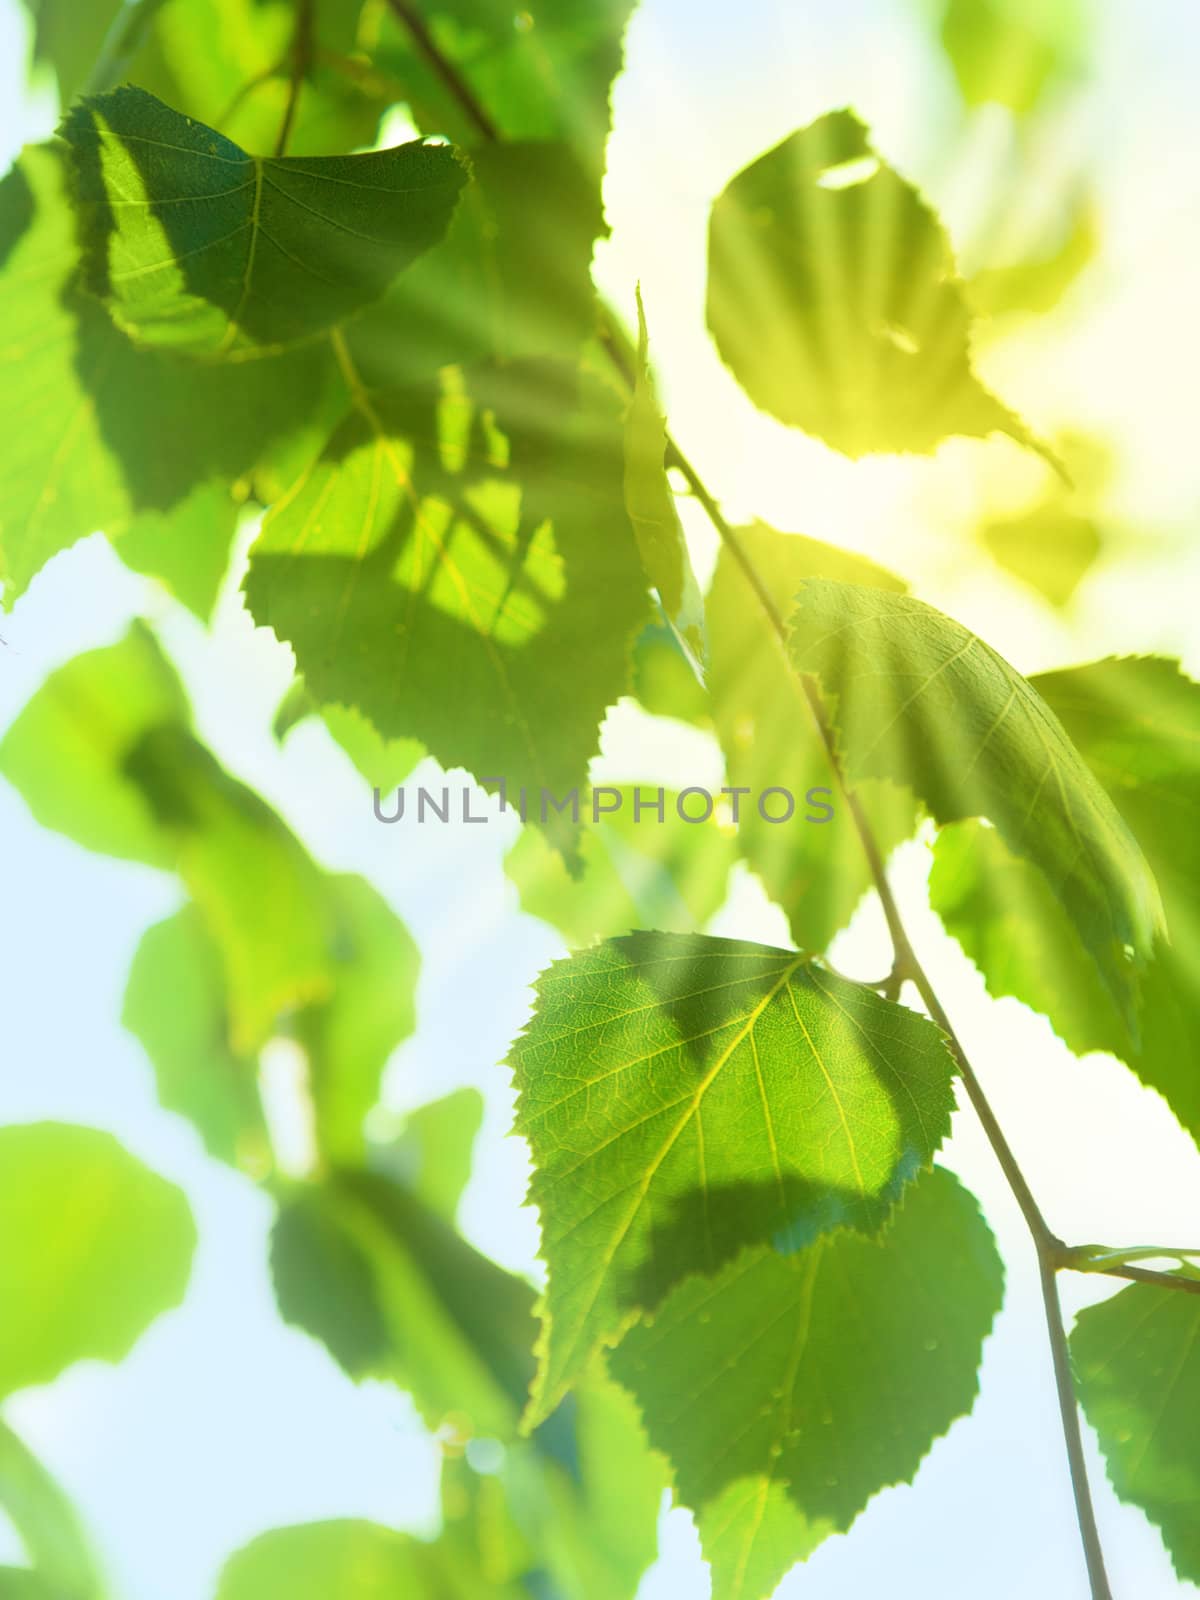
<point>1048,548</point>
<point>651,504</point>
<point>665,681</point>
<point>684,1097</point>
<point>98,432</point>
<point>1037,282</point>
<point>195,245</point>
<point>1137,1366</point>
<point>352,1560</point>
<point>93,1246</point>
<point>483,604</point>
<point>384,763</point>
<point>816,871</point>
<point>833,299</point>
<point>542,72</point>
<point>1136,721</point>
<point>1013,51</point>
<point>916,696</point>
<point>187,549</point>
<point>790,1388</point>
<point>638,870</point>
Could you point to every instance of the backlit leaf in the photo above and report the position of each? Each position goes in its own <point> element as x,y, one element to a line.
<point>790,1388</point>
<point>195,245</point>
<point>1137,1368</point>
<point>48,1527</point>
<point>684,1097</point>
<point>917,697</point>
<point>833,299</point>
<point>816,871</point>
<point>1136,721</point>
<point>351,1559</point>
<point>476,592</point>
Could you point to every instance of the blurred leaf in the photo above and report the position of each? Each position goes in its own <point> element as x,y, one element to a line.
<point>99,433</point>
<point>384,763</point>
<point>1048,548</point>
<point>483,608</point>
<point>393,1292</point>
<point>188,550</point>
<point>195,245</point>
<point>671,875</point>
<point>684,1097</point>
<point>432,1156</point>
<point>1136,1359</point>
<point>349,1037</point>
<point>833,299</point>
<point>66,752</point>
<point>67,38</point>
<point>815,871</point>
<point>829,1374</point>
<point>1037,283</point>
<point>664,681</point>
<point>93,1246</point>
<point>1013,51</point>
<point>177,1006</point>
<point>916,696</point>
<point>651,503</point>
<point>1136,721</point>
<point>49,1529</point>
<point>352,1560</point>
<point>262,896</point>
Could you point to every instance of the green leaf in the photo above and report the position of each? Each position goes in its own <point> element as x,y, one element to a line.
<point>229,64</point>
<point>67,750</point>
<point>384,763</point>
<point>684,1097</point>
<point>826,1376</point>
<point>432,1156</point>
<point>1136,1360</point>
<point>511,280</point>
<point>93,1247</point>
<point>917,697</point>
<point>97,432</point>
<point>187,549</point>
<point>349,1037</point>
<point>262,896</point>
<point>637,871</point>
<point>833,299</point>
<point>665,681</point>
<point>1012,52</point>
<point>480,602</point>
<point>48,1527</point>
<point>353,1560</point>
<point>393,1292</point>
<point>1036,283</point>
<point>541,73</point>
<point>67,38</point>
<point>651,503</point>
<point>1136,722</point>
<point>1048,548</point>
<point>195,245</point>
<point>176,1005</point>
<point>815,871</point>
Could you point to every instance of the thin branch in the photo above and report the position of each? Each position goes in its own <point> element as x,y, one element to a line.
<point>446,70</point>
<point>1164,1280</point>
<point>302,58</point>
<point>1068,1411</point>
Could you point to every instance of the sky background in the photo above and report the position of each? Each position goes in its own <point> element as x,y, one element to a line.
<point>222,1422</point>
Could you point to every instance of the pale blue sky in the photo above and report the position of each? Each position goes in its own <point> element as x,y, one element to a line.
<point>222,1422</point>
